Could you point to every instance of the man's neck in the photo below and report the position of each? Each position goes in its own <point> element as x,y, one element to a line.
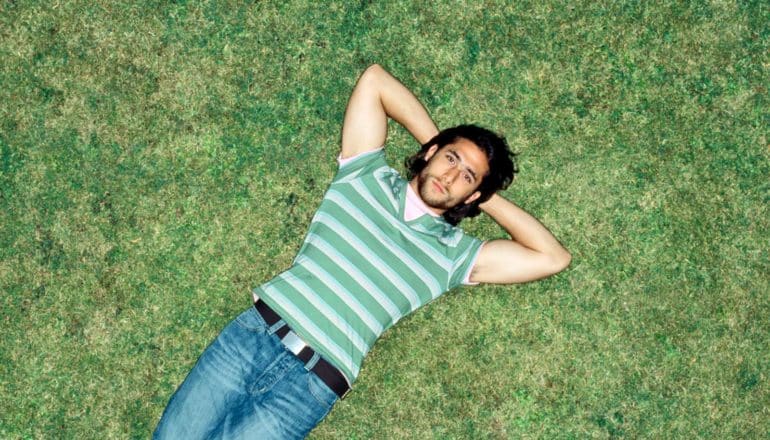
<point>415,206</point>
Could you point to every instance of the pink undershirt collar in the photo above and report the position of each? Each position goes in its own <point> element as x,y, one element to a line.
<point>414,206</point>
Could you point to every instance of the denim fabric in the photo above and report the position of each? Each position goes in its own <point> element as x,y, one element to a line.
<point>246,385</point>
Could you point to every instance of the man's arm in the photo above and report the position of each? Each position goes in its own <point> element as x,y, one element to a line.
<point>531,253</point>
<point>377,96</point>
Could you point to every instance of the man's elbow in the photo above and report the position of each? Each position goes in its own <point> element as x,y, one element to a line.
<point>373,72</point>
<point>561,260</point>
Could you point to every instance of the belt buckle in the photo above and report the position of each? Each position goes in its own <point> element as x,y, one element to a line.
<point>293,342</point>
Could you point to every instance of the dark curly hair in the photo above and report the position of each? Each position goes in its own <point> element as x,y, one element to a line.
<point>502,165</point>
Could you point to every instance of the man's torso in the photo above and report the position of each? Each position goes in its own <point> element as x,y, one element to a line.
<point>362,267</point>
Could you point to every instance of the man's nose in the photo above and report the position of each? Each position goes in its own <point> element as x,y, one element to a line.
<point>450,175</point>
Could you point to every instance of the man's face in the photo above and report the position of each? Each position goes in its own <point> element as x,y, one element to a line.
<point>452,175</point>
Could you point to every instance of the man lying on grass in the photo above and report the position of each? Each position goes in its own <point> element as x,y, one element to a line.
<point>378,248</point>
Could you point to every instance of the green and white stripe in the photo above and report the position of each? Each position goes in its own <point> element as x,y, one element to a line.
<point>364,251</point>
<point>369,287</point>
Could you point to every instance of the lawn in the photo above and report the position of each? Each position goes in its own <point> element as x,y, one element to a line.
<point>160,159</point>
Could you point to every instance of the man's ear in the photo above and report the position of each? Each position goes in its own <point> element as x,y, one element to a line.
<point>431,151</point>
<point>471,198</point>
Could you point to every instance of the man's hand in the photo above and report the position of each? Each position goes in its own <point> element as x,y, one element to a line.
<point>377,96</point>
<point>531,253</point>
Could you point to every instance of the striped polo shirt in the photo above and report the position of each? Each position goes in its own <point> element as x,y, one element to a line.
<point>362,267</point>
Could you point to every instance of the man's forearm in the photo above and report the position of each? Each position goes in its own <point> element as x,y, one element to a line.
<point>402,106</point>
<point>523,227</point>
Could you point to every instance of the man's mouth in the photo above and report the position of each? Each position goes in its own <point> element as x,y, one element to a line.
<point>438,187</point>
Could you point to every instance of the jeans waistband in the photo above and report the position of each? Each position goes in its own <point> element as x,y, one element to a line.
<point>327,372</point>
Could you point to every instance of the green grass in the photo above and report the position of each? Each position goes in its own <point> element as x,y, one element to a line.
<point>157,162</point>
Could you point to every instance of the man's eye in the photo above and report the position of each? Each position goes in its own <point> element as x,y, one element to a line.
<point>468,178</point>
<point>451,159</point>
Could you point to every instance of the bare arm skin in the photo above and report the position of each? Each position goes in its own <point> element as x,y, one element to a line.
<point>532,252</point>
<point>377,96</point>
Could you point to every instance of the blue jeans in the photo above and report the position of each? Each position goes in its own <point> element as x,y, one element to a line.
<point>246,385</point>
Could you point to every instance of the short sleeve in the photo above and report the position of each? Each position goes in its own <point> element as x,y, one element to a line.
<point>360,164</point>
<point>467,278</point>
<point>466,254</point>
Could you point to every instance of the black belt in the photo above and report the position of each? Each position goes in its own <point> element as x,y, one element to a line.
<point>330,375</point>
